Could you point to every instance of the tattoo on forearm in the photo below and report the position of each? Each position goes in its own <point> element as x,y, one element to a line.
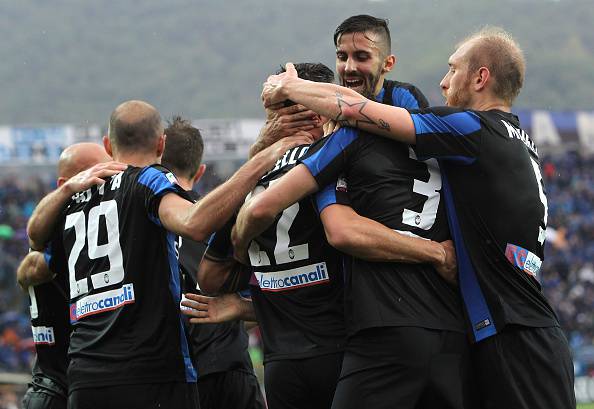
<point>357,112</point>
<point>384,125</point>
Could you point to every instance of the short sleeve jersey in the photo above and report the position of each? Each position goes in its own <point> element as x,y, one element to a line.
<point>388,184</point>
<point>124,283</point>
<point>497,212</point>
<point>297,283</point>
<point>51,331</point>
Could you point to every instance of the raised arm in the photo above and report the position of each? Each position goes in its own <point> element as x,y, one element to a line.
<point>42,221</point>
<point>342,104</point>
<point>198,221</point>
<point>33,270</point>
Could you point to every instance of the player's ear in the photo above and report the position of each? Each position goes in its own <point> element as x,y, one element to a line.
<point>389,63</point>
<point>161,145</point>
<point>107,145</point>
<point>60,181</point>
<point>199,174</point>
<point>481,78</point>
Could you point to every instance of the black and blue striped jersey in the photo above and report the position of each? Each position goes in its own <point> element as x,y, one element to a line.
<point>296,283</point>
<point>124,283</point>
<point>401,94</point>
<point>388,184</point>
<point>51,332</point>
<point>497,211</point>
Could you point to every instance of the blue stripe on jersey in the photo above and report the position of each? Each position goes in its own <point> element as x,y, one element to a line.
<point>326,197</point>
<point>459,123</point>
<point>175,288</point>
<point>474,300</point>
<point>402,97</point>
<point>156,180</point>
<point>246,293</point>
<point>47,255</point>
<point>336,143</point>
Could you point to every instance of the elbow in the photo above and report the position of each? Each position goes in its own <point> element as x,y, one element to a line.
<point>339,237</point>
<point>259,212</point>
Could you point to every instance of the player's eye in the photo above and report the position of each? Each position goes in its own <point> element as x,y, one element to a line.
<point>341,56</point>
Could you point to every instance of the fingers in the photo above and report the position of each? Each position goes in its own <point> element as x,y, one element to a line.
<point>203,299</point>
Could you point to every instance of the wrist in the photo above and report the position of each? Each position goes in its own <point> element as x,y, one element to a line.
<point>437,254</point>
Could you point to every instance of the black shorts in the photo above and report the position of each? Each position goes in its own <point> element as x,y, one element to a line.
<point>41,399</point>
<point>179,395</point>
<point>44,393</point>
<point>230,389</point>
<point>307,383</point>
<point>405,368</point>
<point>523,367</point>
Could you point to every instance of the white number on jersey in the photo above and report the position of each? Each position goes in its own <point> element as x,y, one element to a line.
<point>283,253</point>
<point>426,218</point>
<point>112,249</point>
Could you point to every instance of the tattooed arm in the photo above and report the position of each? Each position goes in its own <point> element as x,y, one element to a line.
<point>342,104</point>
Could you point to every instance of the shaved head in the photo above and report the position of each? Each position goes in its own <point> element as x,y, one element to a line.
<point>495,49</point>
<point>135,126</point>
<point>79,157</point>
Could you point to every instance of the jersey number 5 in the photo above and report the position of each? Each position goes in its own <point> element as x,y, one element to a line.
<point>89,233</point>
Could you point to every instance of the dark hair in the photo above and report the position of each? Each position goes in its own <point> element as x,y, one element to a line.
<point>183,148</point>
<point>363,23</point>
<point>316,72</point>
<point>134,125</point>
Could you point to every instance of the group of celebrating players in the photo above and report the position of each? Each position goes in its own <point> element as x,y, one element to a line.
<point>392,263</point>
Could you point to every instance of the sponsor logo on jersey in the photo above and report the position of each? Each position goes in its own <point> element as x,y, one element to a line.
<point>43,335</point>
<point>312,274</point>
<point>102,302</point>
<point>523,259</point>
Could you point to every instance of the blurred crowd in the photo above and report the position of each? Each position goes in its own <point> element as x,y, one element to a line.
<point>567,275</point>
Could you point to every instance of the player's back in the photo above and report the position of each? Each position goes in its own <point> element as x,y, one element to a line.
<point>124,284</point>
<point>497,199</point>
<point>386,183</point>
<point>297,285</point>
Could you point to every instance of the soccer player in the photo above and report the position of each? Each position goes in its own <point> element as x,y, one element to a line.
<point>116,237</point>
<point>49,309</point>
<point>496,205</point>
<point>226,377</point>
<point>297,289</point>
<point>363,59</point>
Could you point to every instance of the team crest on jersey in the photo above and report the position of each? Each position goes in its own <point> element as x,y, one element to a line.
<point>102,302</point>
<point>43,335</point>
<point>312,274</point>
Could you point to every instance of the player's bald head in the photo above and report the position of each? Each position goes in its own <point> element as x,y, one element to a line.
<point>135,126</point>
<point>495,49</point>
<point>78,157</point>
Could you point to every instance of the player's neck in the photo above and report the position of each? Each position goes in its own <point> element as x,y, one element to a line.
<point>137,159</point>
<point>490,104</point>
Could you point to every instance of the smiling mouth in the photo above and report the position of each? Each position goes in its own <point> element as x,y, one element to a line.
<point>353,83</point>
